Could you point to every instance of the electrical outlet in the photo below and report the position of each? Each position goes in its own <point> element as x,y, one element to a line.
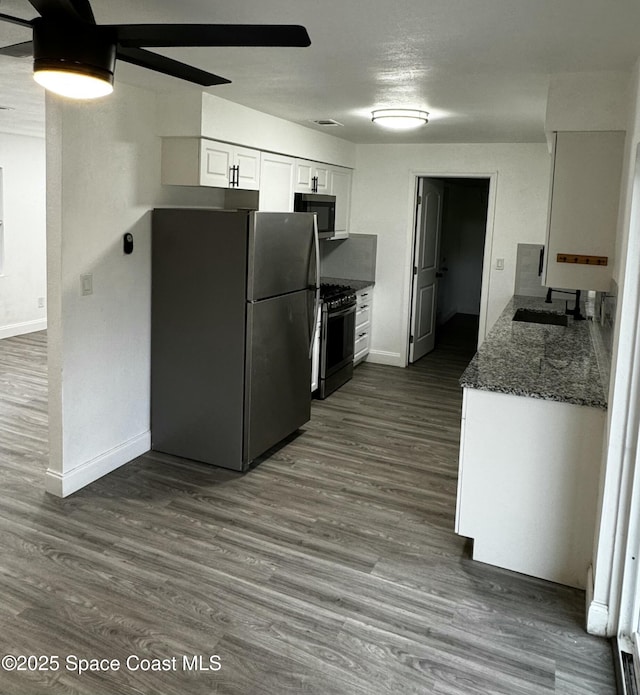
<point>86,284</point>
<point>40,302</point>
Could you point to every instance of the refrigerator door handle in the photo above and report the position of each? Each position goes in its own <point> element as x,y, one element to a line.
<point>316,314</point>
<point>316,310</point>
<point>317,247</point>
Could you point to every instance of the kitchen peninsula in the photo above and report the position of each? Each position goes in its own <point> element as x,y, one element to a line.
<point>531,445</point>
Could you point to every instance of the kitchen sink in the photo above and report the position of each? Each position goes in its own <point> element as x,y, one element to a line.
<point>545,317</point>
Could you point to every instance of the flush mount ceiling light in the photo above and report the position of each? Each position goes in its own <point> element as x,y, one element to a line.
<point>399,119</point>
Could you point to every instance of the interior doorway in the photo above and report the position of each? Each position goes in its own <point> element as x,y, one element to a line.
<point>448,258</point>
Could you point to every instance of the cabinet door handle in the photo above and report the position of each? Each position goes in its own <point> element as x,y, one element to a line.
<point>314,184</point>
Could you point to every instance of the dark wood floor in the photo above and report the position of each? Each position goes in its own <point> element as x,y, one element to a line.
<point>331,568</point>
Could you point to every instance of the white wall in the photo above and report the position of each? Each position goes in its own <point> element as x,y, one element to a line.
<point>383,204</point>
<point>587,101</point>
<point>23,278</point>
<point>103,179</point>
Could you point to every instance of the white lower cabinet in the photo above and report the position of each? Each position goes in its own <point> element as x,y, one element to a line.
<point>528,483</point>
<point>362,340</point>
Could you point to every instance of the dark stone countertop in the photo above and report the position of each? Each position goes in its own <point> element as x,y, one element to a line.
<point>555,363</point>
<point>356,284</point>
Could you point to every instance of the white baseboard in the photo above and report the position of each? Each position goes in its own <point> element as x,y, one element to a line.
<point>22,328</point>
<point>597,613</point>
<point>392,359</point>
<point>64,484</point>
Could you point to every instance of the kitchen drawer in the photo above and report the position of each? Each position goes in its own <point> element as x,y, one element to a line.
<point>363,316</point>
<point>361,345</point>
<point>364,296</point>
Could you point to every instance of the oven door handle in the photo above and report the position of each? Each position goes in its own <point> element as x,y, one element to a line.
<point>343,312</point>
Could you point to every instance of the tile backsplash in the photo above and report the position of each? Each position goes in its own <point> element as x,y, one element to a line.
<point>528,282</point>
<point>602,331</point>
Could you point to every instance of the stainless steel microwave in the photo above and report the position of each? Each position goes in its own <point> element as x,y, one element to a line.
<point>324,207</point>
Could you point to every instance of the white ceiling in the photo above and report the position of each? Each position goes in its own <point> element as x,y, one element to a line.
<point>480,67</point>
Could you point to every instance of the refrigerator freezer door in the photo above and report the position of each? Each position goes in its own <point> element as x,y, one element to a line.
<point>277,394</point>
<point>281,254</point>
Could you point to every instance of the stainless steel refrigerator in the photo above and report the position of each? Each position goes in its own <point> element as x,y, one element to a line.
<point>234,300</point>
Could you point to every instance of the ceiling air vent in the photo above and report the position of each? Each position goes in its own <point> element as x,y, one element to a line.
<point>326,122</point>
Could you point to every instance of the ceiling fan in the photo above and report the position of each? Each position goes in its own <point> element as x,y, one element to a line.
<point>75,57</point>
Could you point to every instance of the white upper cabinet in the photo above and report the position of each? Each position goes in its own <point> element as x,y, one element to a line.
<point>203,162</point>
<point>340,187</point>
<point>583,209</point>
<point>215,164</point>
<point>311,177</point>
<point>247,163</point>
<point>277,176</point>
<point>194,161</point>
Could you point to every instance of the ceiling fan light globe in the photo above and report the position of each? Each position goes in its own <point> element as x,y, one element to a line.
<point>75,60</point>
<point>73,84</point>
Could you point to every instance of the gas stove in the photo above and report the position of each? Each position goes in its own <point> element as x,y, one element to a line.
<point>337,296</point>
<point>337,336</point>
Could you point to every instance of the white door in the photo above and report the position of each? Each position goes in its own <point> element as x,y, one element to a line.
<point>427,241</point>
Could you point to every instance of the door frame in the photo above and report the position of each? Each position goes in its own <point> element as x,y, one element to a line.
<point>414,175</point>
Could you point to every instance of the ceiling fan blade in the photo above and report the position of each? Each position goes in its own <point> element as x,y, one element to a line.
<point>169,35</point>
<point>60,10</point>
<point>18,50</point>
<point>168,66</point>
<point>15,20</point>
